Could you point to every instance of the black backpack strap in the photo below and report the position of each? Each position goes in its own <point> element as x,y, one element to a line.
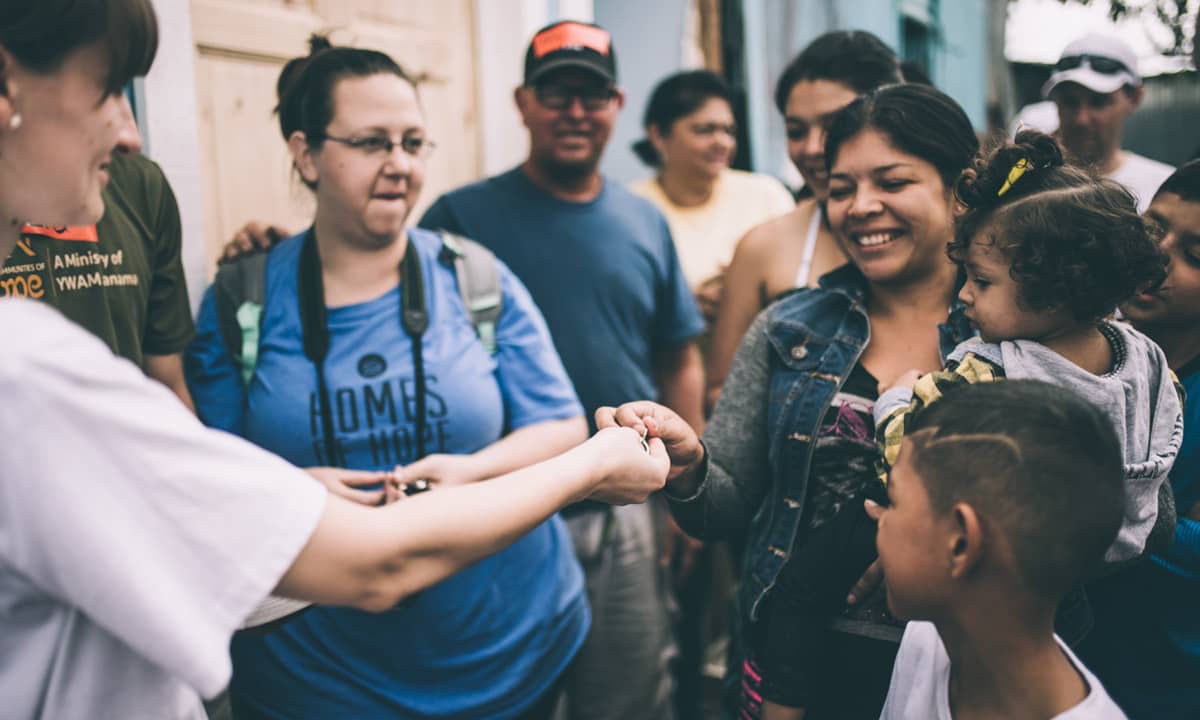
<point>478,284</point>
<point>238,293</point>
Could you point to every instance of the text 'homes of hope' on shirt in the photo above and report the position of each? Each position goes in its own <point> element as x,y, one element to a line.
<point>489,638</point>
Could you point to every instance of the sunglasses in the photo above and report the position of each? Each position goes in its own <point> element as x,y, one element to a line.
<point>560,97</point>
<point>1099,63</point>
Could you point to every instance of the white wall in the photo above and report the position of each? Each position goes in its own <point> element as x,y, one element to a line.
<point>172,140</point>
<point>502,33</point>
<point>648,38</point>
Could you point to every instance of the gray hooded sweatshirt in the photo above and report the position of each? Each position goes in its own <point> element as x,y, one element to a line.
<point>1138,394</point>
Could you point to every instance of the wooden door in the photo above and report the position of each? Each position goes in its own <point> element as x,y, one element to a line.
<point>241,46</point>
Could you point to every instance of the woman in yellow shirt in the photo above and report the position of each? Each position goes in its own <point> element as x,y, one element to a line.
<point>691,139</point>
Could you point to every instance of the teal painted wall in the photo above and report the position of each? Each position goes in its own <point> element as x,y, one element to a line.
<point>647,38</point>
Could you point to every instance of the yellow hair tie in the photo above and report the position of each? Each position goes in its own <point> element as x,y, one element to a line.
<point>1014,175</point>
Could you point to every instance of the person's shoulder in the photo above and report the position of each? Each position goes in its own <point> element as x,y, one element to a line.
<point>619,205</point>
<point>429,242</point>
<point>480,190</point>
<point>1133,343</point>
<point>1145,165</point>
<point>991,352</point>
<point>35,334</point>
<point>284,258</point>
<point>644,187</point>
<point>1142,174</point>
<point>766,237</point>
<point>135,169</point>
<point>919,675</point>
<point>617,194</point>
<point>755,182</point>
<point>1098,705</point>
<point>138,181</point>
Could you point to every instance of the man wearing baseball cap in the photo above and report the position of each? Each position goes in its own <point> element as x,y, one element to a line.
<point>600,264</point>
<point>1096,86</point>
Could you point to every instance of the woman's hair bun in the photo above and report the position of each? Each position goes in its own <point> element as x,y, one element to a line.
<point>645,151</point>
<point>318,42</point>
<point>979,185</point>
<point>1040,150</point>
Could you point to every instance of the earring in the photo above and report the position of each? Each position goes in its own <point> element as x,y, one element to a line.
<point>14,122</point>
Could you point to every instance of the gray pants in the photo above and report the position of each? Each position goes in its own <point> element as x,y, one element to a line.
<point>622,672</point>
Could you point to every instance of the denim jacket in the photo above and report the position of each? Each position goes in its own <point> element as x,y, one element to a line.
<point>814,337</point>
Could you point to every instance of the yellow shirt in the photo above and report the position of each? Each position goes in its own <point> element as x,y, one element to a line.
<point>706,235</point>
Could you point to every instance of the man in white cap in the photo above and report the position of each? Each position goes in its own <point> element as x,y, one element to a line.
<point>1096,86</point>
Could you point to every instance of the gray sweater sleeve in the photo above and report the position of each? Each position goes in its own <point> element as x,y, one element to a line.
<point>735,471</point>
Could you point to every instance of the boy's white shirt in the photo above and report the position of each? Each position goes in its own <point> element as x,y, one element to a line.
<point>133,540</point>
<point>921,678</point>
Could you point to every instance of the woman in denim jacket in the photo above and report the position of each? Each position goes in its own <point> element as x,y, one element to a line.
<point>791,438</point>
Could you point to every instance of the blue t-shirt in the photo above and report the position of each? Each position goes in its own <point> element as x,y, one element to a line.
<point>604,273</point>
<point>488,641</point>
<point>1180,611</point>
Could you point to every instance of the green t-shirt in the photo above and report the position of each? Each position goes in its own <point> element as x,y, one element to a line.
<point>122,279</point>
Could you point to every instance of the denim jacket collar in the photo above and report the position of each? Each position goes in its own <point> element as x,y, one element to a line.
<point>849,281</point>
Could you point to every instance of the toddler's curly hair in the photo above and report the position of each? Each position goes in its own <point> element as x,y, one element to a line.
<point>1074,240</point>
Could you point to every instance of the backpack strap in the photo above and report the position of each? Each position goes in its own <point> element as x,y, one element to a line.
<point>478,284</point>
<point>238,292</point>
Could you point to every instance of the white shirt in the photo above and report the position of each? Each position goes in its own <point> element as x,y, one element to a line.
<point>921,679</point>
<point>1142,176</point>
<point>133,540</point>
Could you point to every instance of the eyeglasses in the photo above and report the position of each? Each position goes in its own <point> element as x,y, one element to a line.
<point>1099,63</point>
<point>560,97</point>
<point>383,146</point>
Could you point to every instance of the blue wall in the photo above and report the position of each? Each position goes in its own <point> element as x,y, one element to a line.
<point>647,36</point>
<point>787,26</point>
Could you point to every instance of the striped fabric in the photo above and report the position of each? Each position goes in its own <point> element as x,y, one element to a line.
<point>890,432</point>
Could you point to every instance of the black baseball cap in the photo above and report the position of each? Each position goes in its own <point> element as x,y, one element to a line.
<point>570,43</point>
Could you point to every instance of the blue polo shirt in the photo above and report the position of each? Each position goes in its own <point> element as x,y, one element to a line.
<point>604,273</point>
<point>488,641</point>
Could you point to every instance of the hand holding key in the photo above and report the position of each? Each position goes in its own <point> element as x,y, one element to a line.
<point>658,421</point>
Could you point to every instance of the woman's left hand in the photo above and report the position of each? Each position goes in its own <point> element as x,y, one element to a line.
<point>441,470</point>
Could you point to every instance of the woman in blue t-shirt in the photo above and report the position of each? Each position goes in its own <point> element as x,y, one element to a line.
<point>336,384</point>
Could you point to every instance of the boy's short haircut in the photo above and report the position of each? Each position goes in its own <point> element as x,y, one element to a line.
<point>1184,182</point>
<point>1039,462</point>
<point>1074,240</point>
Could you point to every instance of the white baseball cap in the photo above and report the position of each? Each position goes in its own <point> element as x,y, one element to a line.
<point>1100,63</point>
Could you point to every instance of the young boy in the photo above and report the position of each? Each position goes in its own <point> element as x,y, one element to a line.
<point>1146,645</point>
<point>1004,496</point>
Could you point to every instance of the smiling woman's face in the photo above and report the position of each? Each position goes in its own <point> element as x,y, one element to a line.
<point>810,104</point>
<point>54,166</point>
<point>890,210</point>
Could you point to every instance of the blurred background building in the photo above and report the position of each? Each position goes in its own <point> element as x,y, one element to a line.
<point>206,108</point>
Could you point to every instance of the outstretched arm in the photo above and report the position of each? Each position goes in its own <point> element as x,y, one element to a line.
<point>373,558</point>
